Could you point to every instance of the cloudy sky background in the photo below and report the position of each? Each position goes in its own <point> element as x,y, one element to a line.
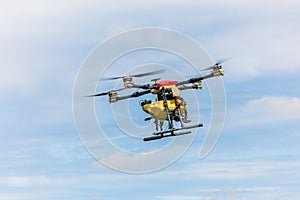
<point>42,47</point>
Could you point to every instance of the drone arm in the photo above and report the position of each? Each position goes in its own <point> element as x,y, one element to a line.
<point>145,87</point>
<point>187,87</point>
<point>135,94</point>
<point>193,80</point>
<point>214,73</point>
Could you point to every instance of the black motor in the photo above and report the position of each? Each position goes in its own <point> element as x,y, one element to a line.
<point>142,103</point>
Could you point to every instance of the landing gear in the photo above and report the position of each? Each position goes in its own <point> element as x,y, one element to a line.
<point>158,125</point>
<point>172,115</point>
<point>172,132</point>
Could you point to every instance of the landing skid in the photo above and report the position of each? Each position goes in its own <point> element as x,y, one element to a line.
<point>171,132</point>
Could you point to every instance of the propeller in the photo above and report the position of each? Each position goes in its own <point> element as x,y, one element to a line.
<point>217,64</point>
<point>105,93</point>
<point>135,75</point>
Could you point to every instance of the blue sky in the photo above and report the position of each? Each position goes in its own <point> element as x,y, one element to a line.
<point>42,47</point>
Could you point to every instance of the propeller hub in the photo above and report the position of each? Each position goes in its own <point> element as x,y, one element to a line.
<point>155,80</point>
<point>128,83</point>
<point>113,96</point>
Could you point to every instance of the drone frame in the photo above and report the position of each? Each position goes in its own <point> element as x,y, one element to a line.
<point>196,83</point>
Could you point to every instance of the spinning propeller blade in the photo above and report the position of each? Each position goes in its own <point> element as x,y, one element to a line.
<point>220,61</point>
<point>135,75</point>
<point>111,78</point>
<point>105,93</point>
<point>149,73</point>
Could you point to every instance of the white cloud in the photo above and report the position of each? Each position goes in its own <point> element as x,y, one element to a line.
<point>260,49</point>
<point>28,187</point>
<point>241,193</point>
<point>11,196</point>
<point>145,162</point>
<point>40,43</point>
<point>263,36</point>
<point>267,109</point>
<point>180,197</point>
<point>33,181</point>
<point>224,170</point>
<point>235,170</point>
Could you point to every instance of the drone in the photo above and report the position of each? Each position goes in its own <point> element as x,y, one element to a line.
<point>169,106</point>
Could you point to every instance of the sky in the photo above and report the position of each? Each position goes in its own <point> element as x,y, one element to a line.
<point>43,45</point>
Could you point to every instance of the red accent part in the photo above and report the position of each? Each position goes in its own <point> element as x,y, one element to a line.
<point>177,100</point>
<point>165,83</point>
